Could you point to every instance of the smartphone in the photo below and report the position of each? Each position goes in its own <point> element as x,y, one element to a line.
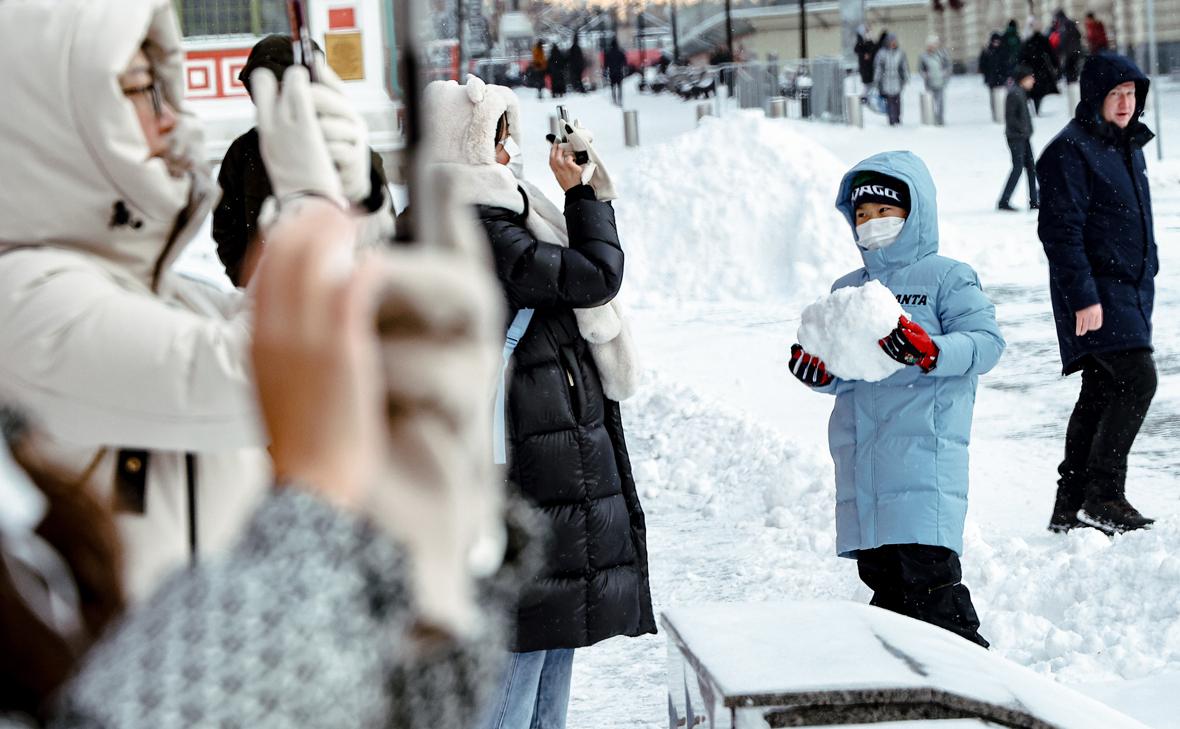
<point>579,157</point>
<point>301,36</point>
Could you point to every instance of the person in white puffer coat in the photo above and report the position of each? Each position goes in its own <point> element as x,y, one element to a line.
<point>137,377</point>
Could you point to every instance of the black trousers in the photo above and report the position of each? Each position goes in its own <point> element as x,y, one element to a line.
<point>922,582</point>
<point>1117,388</point>
<point>616,92</point>
<point>893,109</point>
<point>1022,162</point>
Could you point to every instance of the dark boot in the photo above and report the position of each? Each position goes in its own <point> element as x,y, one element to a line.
<point>1065,512</point>
<point>1113,515</point>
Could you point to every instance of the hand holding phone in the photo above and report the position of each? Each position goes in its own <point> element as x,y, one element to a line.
<point>304,48</point>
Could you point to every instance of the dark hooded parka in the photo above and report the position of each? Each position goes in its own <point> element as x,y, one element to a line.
<point>1095,220</point>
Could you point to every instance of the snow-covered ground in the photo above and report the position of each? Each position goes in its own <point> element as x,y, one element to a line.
<point>730,231</point>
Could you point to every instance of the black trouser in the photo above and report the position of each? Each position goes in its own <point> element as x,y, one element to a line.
<point>1117,388</point>
<point>1022,162</point>
<point>616,91</point>
<point>922,582</point>
<point>893,109</point>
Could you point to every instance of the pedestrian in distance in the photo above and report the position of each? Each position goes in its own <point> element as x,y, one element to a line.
<point>1018,129</point>
<point>934,66</point>
<point>558,72</point>
<point>1012,43</point>
<point>576,61</point>
<point>1096,40</point>
<point>993,63</point>
<point>866,54</point>
<point>538,68</point>
<point>245,184</point>
<point>563,441</point>
<point>891,72</point>
<point>1037,54</point>
<point>1097,229</point>
<point>1066,40</point>
<point>900,445</point>
<point>616,70</point>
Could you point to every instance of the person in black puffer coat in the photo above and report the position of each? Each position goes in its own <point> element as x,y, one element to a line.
<point>566,451</point>
<point>1038,54</point>
<point>1096,226</point>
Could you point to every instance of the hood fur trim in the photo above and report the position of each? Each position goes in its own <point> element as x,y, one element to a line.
<point>463,120</point>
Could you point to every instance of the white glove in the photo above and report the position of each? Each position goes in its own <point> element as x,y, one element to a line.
<point>441,325</point>
<point>345,132</point>
<point>594,173</point>
<point>294,150</point>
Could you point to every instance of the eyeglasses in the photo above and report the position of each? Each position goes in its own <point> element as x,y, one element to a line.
<point>153,92</point>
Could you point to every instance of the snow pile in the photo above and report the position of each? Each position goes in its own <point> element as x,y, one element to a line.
<point>738,209</point>
<point>685,447</point>
<point>843,329</point>
<point>1082,607</point>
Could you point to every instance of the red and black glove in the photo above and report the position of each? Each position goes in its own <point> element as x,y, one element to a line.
<point>911,345</point>
<point>809,369</point>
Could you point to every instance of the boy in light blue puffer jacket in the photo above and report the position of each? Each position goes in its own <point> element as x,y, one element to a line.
<point>900,445</point>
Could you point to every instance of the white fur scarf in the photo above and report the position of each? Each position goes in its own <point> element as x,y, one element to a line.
<point>605,327</point>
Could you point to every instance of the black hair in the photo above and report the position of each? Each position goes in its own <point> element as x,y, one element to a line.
<point>501,129</point>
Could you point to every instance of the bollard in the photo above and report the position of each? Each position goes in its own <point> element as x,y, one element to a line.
<point>555,126</point>
<point>1074,94</point>
<point>854,111</point>
<point>631,128</point>
<point>776,107</point>
<point>703,110</point>
<point>999,96</point>
<point>927,109</point>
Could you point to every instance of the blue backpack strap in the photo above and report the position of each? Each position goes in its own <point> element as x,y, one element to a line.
<point>520,325</point>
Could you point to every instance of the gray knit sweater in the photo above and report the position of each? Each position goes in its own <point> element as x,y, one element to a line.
<point>304,624</point>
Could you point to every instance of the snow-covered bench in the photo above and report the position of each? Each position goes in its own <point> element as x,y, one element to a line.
<point>757,666</point>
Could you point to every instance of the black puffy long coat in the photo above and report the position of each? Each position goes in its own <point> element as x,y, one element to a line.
<point>1095,220</point>
<point>566,451</point>
<point>1038,54</point>
<point>993,63</point>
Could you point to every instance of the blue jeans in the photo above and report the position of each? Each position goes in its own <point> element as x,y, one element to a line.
<point>535,693</point>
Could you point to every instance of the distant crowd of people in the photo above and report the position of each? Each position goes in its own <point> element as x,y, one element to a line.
<point>1053,57</point>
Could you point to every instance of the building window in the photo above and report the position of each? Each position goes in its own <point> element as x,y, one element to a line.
<point>212,18</point>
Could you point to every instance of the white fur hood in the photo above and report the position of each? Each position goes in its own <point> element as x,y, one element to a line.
<point>71,148</point>
<point>462,126</point>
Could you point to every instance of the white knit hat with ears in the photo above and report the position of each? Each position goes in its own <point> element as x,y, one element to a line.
<point>460,121</point>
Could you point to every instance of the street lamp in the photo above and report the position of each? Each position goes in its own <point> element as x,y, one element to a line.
<point>675,36</point>
<point>729,28</point>
<point>803,28</point>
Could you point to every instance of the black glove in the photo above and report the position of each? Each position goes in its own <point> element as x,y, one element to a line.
<point>809,369</point>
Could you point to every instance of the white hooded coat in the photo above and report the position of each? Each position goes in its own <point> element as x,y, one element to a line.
<point>461,141</point>
<point>102,345</point>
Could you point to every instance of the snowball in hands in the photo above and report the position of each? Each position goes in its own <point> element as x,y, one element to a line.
<point>843,328</point>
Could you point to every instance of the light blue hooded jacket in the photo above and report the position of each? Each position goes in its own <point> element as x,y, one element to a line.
<point>900,445</point>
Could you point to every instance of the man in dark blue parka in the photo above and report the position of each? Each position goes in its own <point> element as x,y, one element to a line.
<point>1096,226</point>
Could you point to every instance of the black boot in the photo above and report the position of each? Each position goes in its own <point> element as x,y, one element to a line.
<point>1112,516</point>
<point>1065,512</point>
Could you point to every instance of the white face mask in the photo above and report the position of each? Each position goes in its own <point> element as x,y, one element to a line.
<point>515,157</point>
<point>879,232</point>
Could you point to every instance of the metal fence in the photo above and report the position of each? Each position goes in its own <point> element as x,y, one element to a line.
<point>814,87</point>
<point>212,18</point>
